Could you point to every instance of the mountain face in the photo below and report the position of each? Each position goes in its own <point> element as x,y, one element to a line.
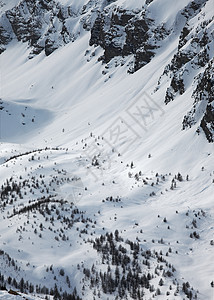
<point>47,25</point>
<point>106,158</point>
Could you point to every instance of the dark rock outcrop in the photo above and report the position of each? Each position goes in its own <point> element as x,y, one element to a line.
<point>123,33</point>
<point>194,54</point>
<point>203,107</point>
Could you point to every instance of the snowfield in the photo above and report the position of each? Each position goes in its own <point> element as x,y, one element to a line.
<point>97,175</point>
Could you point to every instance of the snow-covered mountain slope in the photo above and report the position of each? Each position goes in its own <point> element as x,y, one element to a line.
<point>106,158</point>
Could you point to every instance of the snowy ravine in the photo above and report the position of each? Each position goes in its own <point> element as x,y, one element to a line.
<point>106,149</point>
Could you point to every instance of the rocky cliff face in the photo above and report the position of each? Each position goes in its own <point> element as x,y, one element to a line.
<point>40,23</point>
<point>47,25</point>
<point>192,66</point>
<point>122,33</point>
<point>203,107</point>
